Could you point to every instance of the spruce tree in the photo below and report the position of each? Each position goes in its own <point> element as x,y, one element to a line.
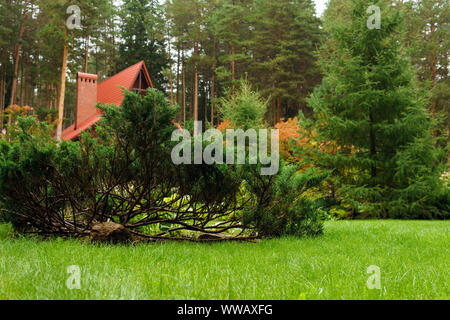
<point>371,120</point>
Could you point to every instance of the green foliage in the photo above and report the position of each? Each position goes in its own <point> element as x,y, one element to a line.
<point>269,43</point>
<point>245,109</point>
<point>369,107</point>
<point>142,24</point>
<point>427,30</point>
<point>230,23</point>
<point>124,173</point>
<point>285,38</point>
<point>282,207</point>
<point>27,161</point>
<point>25,127</point>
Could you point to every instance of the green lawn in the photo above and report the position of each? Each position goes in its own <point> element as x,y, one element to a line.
<point>413,257</point>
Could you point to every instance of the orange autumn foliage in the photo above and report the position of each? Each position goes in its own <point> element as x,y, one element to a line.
<point>17,110</point>
<point>290,131</point>
<point>224,125</point>
<point>292,135</point>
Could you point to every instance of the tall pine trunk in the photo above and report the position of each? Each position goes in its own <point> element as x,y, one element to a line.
<point>170,72</point>
<point>233,71</point>
<point>2,93</point>
<point>22,82</point>
<point>433,72</point>
<point>196,53</point>
<point>17,48</point>
<point>233,62</point>
<point>26,87</point>
<point>113,35</point>
<point>105,38</point>
<point>62,89</point>
<point>183,86</point>
<point>86,56</point>
<point>213,83</point>
<point>178,76</point>
<point>278,110</point>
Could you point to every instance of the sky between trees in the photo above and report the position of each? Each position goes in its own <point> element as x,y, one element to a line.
<point>320,6</point>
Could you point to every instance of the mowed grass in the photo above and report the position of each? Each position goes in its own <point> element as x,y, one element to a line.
<point>413,257</point>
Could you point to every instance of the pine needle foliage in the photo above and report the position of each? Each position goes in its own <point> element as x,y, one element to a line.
<point>370,108</point>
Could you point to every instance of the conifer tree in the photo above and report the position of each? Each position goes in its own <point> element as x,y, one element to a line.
<point>286,35</point>
<point>428,36</point>
<point>369,110</point>
<point>229,23</point>
<point>143,38</point>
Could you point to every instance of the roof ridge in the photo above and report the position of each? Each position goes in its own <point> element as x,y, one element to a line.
<point>120,72</point>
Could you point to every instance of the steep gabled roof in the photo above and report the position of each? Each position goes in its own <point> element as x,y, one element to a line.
<point>109,91</point>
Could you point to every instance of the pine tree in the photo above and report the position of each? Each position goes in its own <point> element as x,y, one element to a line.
<point>230,23</point>
<point>10,14</point>
<point>269,43</point>
<point>24,9</point>
<point>190,20</point>
<point>143,37</point>
<point>369,109</point>
<point>286,35</point>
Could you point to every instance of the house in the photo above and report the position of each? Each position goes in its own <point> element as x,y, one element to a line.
<point>109,91</point>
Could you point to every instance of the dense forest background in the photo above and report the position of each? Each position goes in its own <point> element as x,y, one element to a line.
<point>196,51</point>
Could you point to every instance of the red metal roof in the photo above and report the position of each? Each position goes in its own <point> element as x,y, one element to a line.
<point>109,91</point>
